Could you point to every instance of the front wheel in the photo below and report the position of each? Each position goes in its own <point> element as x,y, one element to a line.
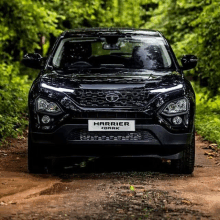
<point>185,165</point>
<point>36,161</point>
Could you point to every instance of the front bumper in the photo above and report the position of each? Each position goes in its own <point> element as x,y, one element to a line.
<point>164,144</point>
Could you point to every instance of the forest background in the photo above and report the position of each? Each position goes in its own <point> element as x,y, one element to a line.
<point>191,27</point>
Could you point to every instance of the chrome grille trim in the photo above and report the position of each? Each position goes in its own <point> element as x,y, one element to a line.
<point>85,135</point>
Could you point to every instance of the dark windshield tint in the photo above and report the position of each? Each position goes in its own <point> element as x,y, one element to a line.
<point>135,53</point>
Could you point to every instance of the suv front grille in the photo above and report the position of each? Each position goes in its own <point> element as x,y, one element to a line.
<point>97,98</point>
<point>85,135</point>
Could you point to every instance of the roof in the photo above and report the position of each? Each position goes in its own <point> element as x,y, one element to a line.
<point>110,31</point>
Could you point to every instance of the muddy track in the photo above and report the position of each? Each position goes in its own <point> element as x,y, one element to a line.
<point>109,189</point>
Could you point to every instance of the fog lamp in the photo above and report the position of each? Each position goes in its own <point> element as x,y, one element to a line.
<point>45,127</point>
<point>177,120</point>
<point>45,119</point>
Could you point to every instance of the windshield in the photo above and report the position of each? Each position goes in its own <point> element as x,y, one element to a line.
<point>112,52</point>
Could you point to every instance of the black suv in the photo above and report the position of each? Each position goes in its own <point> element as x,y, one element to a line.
<point>111,92</point>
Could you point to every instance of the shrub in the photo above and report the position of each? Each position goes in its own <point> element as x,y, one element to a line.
<point>207,115</point>
<point>13,100</point>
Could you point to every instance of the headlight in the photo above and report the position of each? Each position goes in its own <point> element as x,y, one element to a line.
<point>178,106</point>
<point>44,105</point>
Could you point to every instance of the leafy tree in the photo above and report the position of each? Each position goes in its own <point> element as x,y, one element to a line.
<point>21,22</point>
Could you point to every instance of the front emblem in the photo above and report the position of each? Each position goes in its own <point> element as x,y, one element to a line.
<point>112,97</point>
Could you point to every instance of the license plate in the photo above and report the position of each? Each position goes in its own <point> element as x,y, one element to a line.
<point>111,125</point>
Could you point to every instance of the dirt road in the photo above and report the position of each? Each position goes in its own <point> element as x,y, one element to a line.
<point>109,189</point>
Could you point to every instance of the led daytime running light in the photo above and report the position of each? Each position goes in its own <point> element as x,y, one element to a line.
<point>57,89</point>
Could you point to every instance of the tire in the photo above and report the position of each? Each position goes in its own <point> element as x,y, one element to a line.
<point>36,161</point>
<point>185,165</point>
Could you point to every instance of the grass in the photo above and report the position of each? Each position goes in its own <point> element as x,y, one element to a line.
<point>207,115</point>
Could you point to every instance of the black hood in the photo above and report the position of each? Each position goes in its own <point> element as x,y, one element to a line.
<point>144,89</point>
<point>113,79</point>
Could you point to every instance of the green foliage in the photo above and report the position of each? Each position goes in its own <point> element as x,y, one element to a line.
<point>99,13</point>
<point>193,28</point>
<point>13,100</point>
<point>21,24</point>
<point>132,188</point>
<point>207,115</point>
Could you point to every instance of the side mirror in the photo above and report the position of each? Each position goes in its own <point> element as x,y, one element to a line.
<point>189,62</point>
<point>33,60</point>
